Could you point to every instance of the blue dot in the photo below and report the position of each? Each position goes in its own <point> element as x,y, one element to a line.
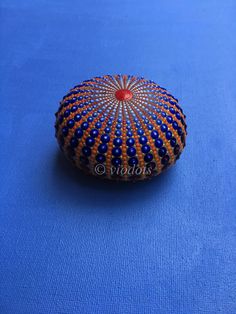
<point>130,141</point>
<point>164,128</point>
<point>145,148</point>
<point>162,151</point>
<point>67,113</point>
<point>74,108</point>
<point>116,162</point>
<point>78,133</point>
<point>165,160</point>
<point>102,148</point>
<point>158,142</point>
<point>131,151</point>
<point>65,131</point>
<point>90,119</point>
<point>172,110</point>
<point>180,131</point>
<point>143,140</point>
<point>140,132</point>
<point>94,133</point>
<point>84,125</point>
<point>129,133</point>
<point>70,124</point>
<point>86,151</point>
<point>105,138</point>
<point>118,133</point>
<point>175,125</point>
<point>178,116</point>
<point>168,135</point>
<point>176,149</point>
<point>173,142</point>
<point>154,134</point>
<point>66,103</point>
<point>150,127</point>
<point>74,142</point>
<point>159,122</point>
<point>133,161</point>
<point>77,117</point>
<point>118,126</point>
<point>117,141</point>
<point>90,141</point>
<point>169,119</point>
<point>98,125</point>
<point>116,151</point>
<point>100,158</point>
<point>107,130</point>
<point>148,157</point>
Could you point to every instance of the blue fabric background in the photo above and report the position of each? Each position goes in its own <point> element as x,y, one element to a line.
<point>72,244</point>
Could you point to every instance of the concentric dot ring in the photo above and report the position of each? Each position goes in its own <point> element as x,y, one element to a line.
<point>130,125</point>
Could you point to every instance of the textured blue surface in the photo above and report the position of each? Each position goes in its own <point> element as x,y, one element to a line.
<point>72,244</point>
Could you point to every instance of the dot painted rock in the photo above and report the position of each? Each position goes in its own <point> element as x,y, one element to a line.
<point>120,127</point>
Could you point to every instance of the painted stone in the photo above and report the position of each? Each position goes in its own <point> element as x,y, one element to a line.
<point>120,127</point>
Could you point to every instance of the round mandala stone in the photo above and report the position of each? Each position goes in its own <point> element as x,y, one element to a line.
<point>120,127</point>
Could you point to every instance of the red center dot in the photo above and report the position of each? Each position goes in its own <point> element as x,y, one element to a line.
<point>123,94</point>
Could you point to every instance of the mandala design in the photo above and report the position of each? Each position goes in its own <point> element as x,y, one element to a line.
<point>120,127</point>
